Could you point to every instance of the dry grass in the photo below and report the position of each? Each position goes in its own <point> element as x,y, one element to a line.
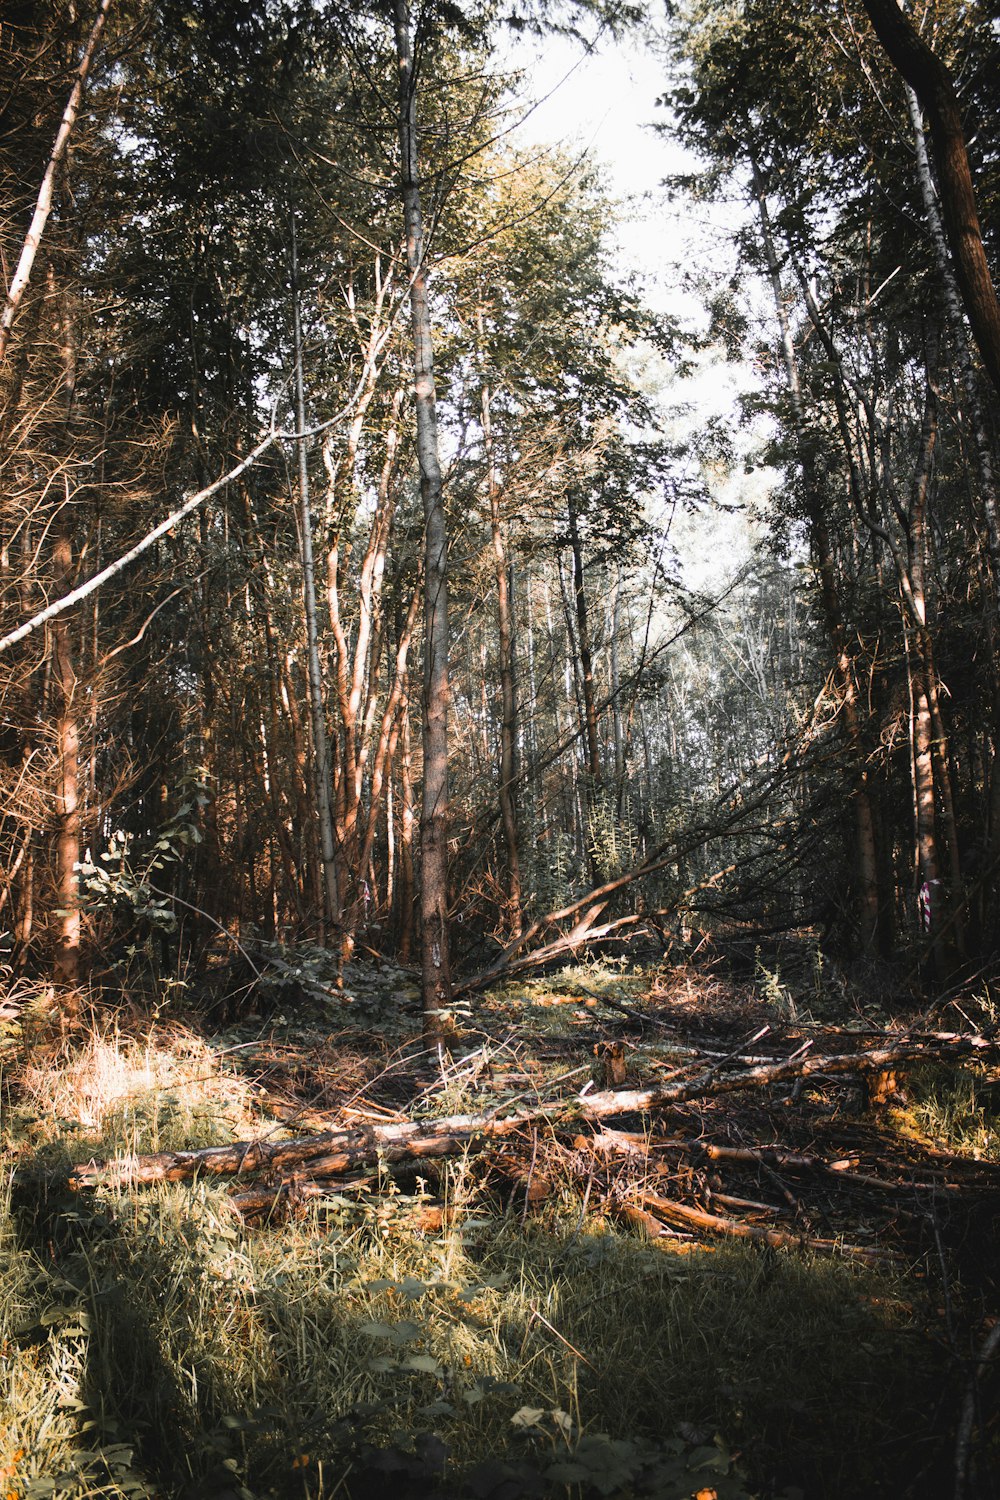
<point>159,1088</point>
<point>154,1345</point>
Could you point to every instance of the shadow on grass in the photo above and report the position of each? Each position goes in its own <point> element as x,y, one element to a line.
<point>349,1355</point>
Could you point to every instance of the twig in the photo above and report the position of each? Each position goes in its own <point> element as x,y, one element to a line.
<point>963,1442</point>
<point>779,1238</point>
<point>572,1349</point>
<point>531,1171</point>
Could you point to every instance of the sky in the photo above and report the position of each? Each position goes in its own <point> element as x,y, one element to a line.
<point>605,103</point>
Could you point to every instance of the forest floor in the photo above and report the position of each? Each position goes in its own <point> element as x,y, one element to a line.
<point>771,1286</point>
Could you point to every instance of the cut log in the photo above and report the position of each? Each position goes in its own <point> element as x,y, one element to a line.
<point>346,1149</point>
<point>698,1218</point>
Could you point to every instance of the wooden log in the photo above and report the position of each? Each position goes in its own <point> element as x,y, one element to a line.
<point>843,1171</point>
<point>392,1141</point>
<point>699,1218</point>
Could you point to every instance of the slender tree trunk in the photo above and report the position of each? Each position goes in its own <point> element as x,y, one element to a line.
<point>434,920</point>
<point>310,860</point>
<point>407,825</point>
<point>508,680</point>
<point>585,649</point>
<point>43,205</point>
<point>614,609</point>
<point>67,951</point>
<point>66,960</point>
<point>866,861</point>
<point>321,744</point>
<point>388,736</point>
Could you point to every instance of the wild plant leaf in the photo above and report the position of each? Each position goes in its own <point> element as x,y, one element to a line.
<point>70,1320</point>
<point>396,1333</point>
<point>435,1409</point>
<point>715,1457</point>
<point>424,1363</point>
<point>527,1417</point>
<point>411,1288</point>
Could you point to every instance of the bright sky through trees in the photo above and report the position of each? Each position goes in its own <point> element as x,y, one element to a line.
<point>604,103</point>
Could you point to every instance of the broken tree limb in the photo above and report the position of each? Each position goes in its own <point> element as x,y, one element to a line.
<point>43,205</point>
<point>189,506</point>
<point>343,1149</point>
<point>842,1171</point>
<point>331,1152</point>
<point>699,1218</point>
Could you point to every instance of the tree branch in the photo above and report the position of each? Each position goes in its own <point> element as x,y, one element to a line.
<point>43,206</point>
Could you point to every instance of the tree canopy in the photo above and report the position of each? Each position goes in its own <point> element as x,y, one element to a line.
<point>193,670</point>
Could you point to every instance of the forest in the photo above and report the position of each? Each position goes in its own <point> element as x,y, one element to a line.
<point>499,862</point>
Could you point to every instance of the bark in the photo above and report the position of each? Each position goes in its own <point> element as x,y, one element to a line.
<point>434,921</point>
<point>930,80</point>
<point>43,205</point>
<point>335,1151</point>
<point>322,771</point>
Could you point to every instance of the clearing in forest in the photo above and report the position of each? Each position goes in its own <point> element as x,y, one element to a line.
<point>656,1232</point>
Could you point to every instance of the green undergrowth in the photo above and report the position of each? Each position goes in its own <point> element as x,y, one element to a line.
<point>154,1346</point>
<point>953,1108</point>
<point>419,1343</point>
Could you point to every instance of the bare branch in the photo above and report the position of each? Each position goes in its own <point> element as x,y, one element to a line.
<point>43,206</point>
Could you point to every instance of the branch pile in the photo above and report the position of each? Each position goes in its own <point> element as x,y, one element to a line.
<point>670,1182</point>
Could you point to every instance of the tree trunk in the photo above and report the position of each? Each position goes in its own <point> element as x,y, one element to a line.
<point>321,744</point>
<point>434,923</point>
<point>508,681</point>
<point>930,80</point>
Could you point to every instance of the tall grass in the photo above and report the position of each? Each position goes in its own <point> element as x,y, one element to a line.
<point>153,1345</point>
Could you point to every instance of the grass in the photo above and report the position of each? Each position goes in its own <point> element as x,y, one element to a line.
<point>955,1109</point>
<point>153,1345</point>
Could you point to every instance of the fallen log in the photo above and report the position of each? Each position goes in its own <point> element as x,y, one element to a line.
<point>348,1148</point>
<point>699,1218</point>
<point>843,1171</point>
